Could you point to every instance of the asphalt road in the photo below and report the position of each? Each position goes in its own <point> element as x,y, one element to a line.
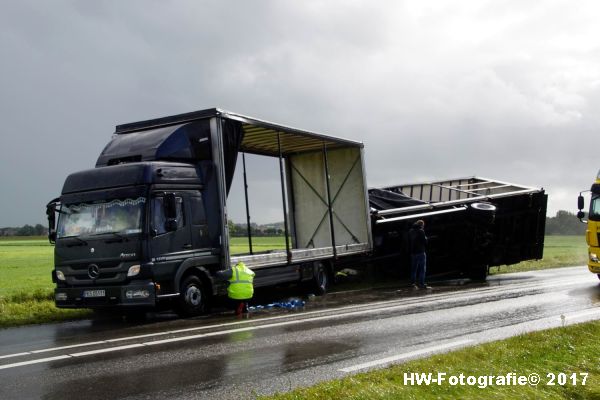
<point>277,350</point>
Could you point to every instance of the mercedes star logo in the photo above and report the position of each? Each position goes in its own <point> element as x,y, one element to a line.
<point>93,271</point>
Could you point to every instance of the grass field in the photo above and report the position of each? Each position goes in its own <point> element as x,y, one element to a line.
<point>559,251</point>
<point>26,263</point>
<point>239,245</point>
<point>25,266</point>
<point>569,350</point>
<point>26,285</point>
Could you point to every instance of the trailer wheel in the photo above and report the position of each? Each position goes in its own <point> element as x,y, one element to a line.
<point>482,212</point>
<point>320,281</point>
<point>193,297</point>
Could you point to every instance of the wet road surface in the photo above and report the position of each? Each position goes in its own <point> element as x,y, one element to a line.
<point>277,350</point>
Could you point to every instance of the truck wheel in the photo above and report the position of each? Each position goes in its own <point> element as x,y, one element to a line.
<point>320,281</point>
<point>193,297</point>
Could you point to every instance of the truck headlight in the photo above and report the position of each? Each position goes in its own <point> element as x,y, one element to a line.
<point>593,257</point>
<point>133,270</point>
<point>60,275</point>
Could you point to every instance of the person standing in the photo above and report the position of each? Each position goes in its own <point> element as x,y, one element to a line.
<point>241,286</point>
<point>418,254</point>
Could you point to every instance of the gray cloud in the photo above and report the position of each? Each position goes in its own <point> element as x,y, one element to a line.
<point>507,90</point>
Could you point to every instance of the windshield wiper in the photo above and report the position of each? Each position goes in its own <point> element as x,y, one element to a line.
<point>120,236</point>
<point>79,241</point>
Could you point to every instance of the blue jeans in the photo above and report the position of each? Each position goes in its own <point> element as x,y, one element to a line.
<point>418,268</point>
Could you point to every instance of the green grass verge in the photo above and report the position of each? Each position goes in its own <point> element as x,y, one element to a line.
<point>572,349</point>
<point>35,312</point>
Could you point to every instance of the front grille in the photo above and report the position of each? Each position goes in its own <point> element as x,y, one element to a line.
<point>108,272</point>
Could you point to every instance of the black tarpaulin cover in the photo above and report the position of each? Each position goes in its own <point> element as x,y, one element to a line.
<point>380,199</point>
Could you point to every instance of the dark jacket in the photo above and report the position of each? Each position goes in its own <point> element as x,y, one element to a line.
<point>417,240</point>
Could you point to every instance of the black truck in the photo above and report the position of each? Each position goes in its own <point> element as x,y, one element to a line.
<point>147,226</point>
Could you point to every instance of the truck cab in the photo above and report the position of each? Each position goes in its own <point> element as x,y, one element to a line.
<point>593,226</point>
<point>123,232</point>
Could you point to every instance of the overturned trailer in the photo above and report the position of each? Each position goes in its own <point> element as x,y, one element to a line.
<point>472,224</point>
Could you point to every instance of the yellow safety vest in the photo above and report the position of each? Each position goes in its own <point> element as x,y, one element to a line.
<point>240,283</point>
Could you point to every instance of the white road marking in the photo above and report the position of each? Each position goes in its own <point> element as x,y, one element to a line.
<point>107,350</point>
<point>15,355</point>
<point>38,361</point>
<point>404,356</point>
<point>65,347</point>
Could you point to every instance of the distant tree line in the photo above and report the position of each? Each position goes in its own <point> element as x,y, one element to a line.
<point>25,230</point>
<point>275,229</point>
<point>564,223</point>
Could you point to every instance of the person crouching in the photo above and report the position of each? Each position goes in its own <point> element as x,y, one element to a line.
<point>241,286</point>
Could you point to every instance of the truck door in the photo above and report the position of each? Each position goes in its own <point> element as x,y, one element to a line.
<point>199,225</point>
<point>169,246</point>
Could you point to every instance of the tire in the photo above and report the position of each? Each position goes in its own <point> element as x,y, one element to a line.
<point>320,280</point>
<point>482,212</point>
<point>193,298</point>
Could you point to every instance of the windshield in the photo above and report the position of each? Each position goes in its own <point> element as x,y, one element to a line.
<point>115,216</point>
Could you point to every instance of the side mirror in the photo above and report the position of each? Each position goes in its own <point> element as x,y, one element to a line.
<point>580,214</point>
<point>170,204</point>
<point>171,225</point>
<point>580,204</point>
<point>51,214</point>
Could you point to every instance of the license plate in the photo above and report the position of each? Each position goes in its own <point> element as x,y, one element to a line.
<point>94,293</point>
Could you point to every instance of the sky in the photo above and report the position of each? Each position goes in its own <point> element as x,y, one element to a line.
<point>508,90</point>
